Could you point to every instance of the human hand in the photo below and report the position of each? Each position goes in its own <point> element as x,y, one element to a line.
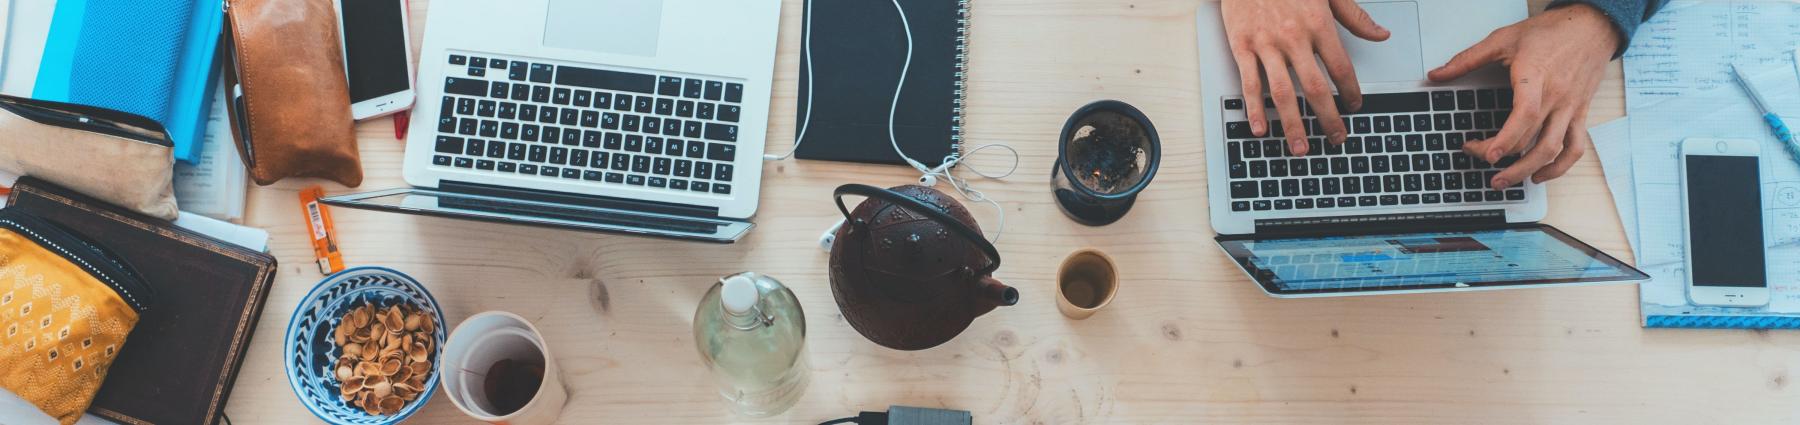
<point>1557,60</point>
<point>1268,37</point>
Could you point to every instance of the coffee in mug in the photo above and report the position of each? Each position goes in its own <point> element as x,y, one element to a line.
<point>1086,282</point>
<point>510,384</point>
<point>498,370</point>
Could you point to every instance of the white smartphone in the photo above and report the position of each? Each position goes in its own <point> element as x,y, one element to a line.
<point>377,45</point>
<point>1722,205</point>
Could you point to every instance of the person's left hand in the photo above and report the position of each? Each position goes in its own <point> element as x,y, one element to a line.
<point>1557,60</point>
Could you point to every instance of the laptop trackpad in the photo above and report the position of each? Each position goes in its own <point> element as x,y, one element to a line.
<point>629,27</point>
<point>1400,58</point>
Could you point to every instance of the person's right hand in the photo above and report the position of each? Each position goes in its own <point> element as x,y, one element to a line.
<point>1268,37</point>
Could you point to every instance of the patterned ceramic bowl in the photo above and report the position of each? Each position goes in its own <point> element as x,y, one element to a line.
<point>311,351</point>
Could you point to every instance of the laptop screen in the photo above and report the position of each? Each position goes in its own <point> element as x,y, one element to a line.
<point>545,214</point>
<point>1525,255</point>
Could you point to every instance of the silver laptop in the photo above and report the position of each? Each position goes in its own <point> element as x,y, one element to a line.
<point>1398,207</point>
<point>641,117</point>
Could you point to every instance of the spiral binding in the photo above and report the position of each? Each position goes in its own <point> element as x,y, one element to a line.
<point>962,79</point>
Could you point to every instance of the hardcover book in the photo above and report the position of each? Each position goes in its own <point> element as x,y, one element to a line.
<point>178,364</point>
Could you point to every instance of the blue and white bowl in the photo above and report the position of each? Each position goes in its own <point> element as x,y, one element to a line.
<point>311,352</point>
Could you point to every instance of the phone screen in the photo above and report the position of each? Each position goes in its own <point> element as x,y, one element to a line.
<point>374,47</point>
<point>1725,226</point>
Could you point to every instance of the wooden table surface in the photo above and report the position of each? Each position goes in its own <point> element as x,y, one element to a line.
<point>1188,340</point>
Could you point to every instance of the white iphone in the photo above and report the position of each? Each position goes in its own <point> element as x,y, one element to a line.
<point>1722,205</point>
<point>377,46</point>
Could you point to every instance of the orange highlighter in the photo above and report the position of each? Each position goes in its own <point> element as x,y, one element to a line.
<point>324,235</point>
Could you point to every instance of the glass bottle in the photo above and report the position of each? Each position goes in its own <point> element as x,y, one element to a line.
<point>752,334</point>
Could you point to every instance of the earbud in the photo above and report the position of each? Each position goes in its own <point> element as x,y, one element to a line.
<point>830,236</point>
<point>928,180</point>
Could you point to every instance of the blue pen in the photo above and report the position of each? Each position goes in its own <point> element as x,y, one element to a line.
<point>1781,129</point>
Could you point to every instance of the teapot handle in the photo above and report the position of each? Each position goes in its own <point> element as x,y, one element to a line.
<point>910,203</point>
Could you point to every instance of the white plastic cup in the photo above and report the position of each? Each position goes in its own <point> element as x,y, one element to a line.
<point>489,337</point>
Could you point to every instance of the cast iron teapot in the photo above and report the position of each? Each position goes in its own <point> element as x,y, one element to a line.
<point>910,268</point>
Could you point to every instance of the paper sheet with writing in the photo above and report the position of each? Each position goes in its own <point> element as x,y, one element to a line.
<point>1656,133</point>
<point>214,186</point>
<point>1688,46</point>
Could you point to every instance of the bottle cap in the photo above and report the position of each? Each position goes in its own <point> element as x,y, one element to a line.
<point>739,295</point>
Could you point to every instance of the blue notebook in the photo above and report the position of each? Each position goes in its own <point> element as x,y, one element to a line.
<point>148,57</point>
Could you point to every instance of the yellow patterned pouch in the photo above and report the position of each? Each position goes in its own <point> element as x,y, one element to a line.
<point>65,308</point>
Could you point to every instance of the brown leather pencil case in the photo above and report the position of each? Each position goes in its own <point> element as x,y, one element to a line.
<point>290,101</point>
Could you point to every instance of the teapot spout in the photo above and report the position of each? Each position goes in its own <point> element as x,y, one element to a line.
<point>996,294</point>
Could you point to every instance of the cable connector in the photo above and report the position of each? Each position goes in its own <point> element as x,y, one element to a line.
<point>903,415</point>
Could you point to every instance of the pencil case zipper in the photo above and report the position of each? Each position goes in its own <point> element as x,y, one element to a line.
<point>120,124</point>
<point>92,258</point>
<point>234,93</point>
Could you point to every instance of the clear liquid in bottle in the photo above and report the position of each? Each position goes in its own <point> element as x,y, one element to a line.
<point>751,333</point>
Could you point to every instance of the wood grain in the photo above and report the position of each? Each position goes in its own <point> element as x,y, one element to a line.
<point>1188,340</point>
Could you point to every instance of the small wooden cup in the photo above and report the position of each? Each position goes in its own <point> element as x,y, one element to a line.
<point>1087,281</point>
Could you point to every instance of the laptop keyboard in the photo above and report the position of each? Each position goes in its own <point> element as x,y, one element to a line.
<point>510,116</point>
<point>1403,149</point>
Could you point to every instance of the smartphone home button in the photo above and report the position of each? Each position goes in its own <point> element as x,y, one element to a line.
<point>1723,147</point>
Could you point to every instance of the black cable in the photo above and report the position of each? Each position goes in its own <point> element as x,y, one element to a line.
<point>865,418</point>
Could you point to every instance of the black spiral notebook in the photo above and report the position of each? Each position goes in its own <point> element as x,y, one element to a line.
<point>857,50</point>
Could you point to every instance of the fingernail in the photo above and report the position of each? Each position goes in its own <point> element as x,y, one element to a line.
<point>1338,137</point>
<point>1297,147</point>
<point>1257,127</point>
<point>1500,183</point>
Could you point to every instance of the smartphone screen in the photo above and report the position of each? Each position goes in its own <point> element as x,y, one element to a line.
<point>1725,223</point>
<point>374,47</point>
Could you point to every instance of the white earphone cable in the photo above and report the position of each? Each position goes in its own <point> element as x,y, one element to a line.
<point>931,175</point>
<point>807,120</point>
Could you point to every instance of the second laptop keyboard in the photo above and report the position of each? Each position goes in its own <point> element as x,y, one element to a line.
<point>514,116</point>
<point>1403,149</point>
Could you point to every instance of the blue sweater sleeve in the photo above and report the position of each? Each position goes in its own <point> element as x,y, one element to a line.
<point>1625,14</point>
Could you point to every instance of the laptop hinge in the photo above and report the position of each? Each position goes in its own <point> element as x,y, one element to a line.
<point>1409,222</point>
<point>594,201</point>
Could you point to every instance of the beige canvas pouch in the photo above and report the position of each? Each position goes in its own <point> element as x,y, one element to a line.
<point>114,156</point>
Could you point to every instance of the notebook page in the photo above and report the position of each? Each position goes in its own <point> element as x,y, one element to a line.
<point>1613,142</point>
<point>214,186</point>
<point>1688,46</point>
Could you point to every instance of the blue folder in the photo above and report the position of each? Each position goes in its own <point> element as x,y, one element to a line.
<point>148,57</point>
<point>1722,322</point>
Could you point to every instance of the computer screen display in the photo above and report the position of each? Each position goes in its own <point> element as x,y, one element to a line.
<point>1528,255</point>
<point>545,214</point>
